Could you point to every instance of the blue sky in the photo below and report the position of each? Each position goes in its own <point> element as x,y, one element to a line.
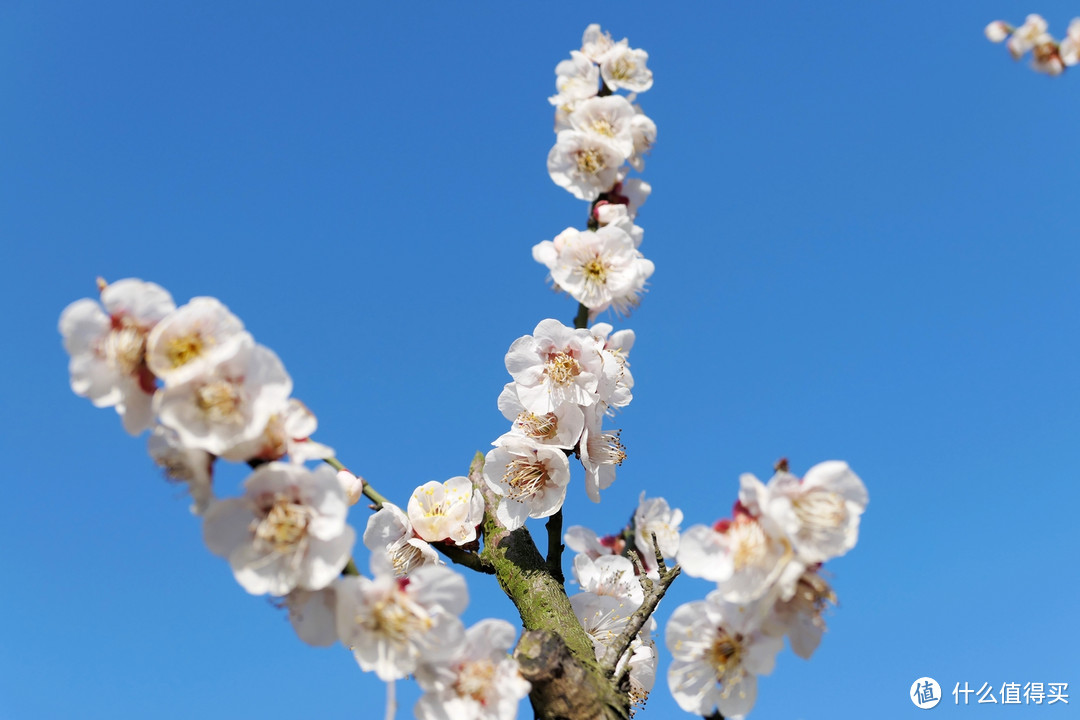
<point>863,223</point>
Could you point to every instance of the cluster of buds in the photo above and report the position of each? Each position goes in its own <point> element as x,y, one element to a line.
<point>766,562</point>
<point>600,136</point>
<point>1048,55</point>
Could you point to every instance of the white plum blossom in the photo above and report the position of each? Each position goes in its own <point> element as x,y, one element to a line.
<point>311,613</point>
<point>654,516</point>
<point>1027,36</point>
<point>595,42</point>
<point>641,662</point>
<point>602,617</point>
<point>997,31</point>
<point>1070,46</point>
<point>393,624</point>
<point>390,532</point>
<point>599,269</point>
<point>819,513</point>
<point>610,117</point>
<point>190,466</point>
<point>617,214</point>
<point>448,510</point>
<point>479,682</point>
<point>600,452</point>
<point>719,650</point>
<point>287,531</point>
<point>555,365</point>
<point>287,432</point>
<point>608,575</point>
<point>193,340</point>
<point>745,557</point>
<point>801,616</point>
<point>561,427</point>
<point>643,131</point>
<point>228,405</point>
<point>586,164</point>
<point>624,68</point>
<point>581,539</point>
<point>108,347</point>
<point>576,79</point>
<point>530,478</point>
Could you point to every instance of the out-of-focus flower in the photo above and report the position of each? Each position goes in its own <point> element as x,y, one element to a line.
<point>288,530</point>
<point>108,348</point>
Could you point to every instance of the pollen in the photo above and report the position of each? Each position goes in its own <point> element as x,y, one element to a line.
<point>820,511</point>
<point>590,161</point>
<point>525,476</point>
<point>183,349</point>
<point>544,427</point>
<point>602,126</point>
<point>220,401</point>
<point>562,368</point>
<point>476,680</point>
<point>595,271</point>
<point>623,68</point>
<point>125,349</point>
<point>284,526</point>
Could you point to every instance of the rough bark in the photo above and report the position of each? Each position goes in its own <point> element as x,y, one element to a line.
<point>556,654</point>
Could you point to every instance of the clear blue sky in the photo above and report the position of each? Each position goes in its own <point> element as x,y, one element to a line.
<point>864,224</point>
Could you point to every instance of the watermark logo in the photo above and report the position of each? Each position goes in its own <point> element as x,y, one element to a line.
<point>925,693</point>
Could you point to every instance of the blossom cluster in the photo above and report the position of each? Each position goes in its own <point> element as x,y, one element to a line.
<point>565,382</point>
<point>600,136</point>
<point>766,562</point>
<point>196,378</point>
<point>1047,54</point>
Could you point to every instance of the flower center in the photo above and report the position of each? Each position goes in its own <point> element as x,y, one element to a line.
<point>405,558</point>
<point>602,126</point>
<point>525,476</point>
<point>220,401</point>
<point>538,426</point>
<point>562,368</point>
<point>750,546</point>
<point>397,618</point>
<point>623,68</point>
<point>125,349</point>
<point>183,349</point>
<point>476,680</point>
<point>590,161</point>
<point>595,271</point>
<point>820,511</point>
<point>284,525</point>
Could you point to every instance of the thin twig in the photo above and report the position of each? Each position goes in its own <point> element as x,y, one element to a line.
<point>654,592</point>
<point>466,558</point>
